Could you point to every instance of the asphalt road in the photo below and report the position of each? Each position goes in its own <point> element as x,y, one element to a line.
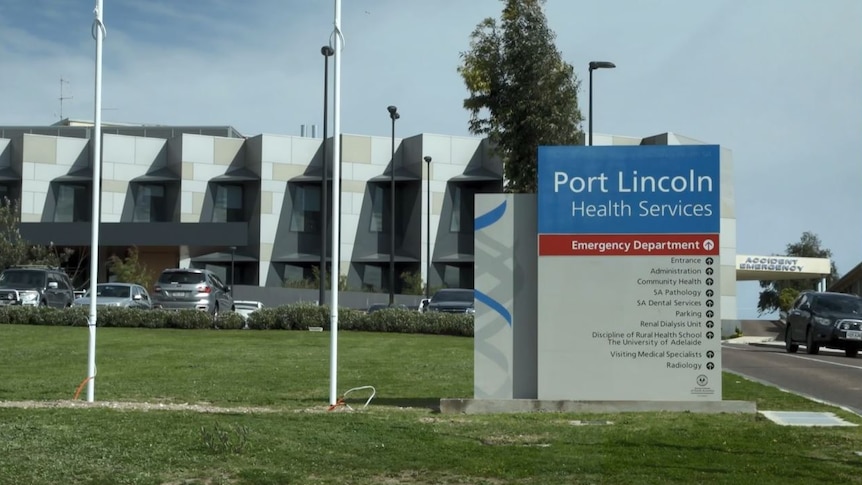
<point>829,376</point>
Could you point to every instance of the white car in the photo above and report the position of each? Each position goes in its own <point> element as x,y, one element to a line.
<point>244,308</point>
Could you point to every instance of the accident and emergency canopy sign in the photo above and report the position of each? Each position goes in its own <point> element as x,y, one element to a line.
<point>628,272</point>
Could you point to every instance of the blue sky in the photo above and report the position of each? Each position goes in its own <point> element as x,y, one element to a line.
<point>779,82</point>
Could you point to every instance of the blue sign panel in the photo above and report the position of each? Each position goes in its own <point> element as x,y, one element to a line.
<point>653,189</point>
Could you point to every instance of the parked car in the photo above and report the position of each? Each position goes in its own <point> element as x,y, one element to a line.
<point>36,286</point>
<point>376,307</point>
<point>453,300</point>
<point>824,319</point>
<point>244,308</point>
<point>126,295</point>
<point>195,289</point>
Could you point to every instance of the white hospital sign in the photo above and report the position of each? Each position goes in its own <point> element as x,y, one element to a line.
<point>750,267</point>
<point>770,264</point>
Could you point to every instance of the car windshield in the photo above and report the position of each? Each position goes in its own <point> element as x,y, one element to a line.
<point>453,295</point>
<point>22,279</point>
<point>839,304</point>
<point>181,277</point>
<point>113,291</point>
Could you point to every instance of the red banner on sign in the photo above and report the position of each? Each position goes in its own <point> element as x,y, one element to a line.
<point>628,244</point>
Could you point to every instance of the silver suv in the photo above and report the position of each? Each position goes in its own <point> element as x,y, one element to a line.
<point>192,289</point>
<point>36,286</point>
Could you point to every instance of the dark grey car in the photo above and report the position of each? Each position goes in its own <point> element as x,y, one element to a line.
<point>453,300</point>
<point>36,286</point>
<point>192,289</point>
<point>825,319</point>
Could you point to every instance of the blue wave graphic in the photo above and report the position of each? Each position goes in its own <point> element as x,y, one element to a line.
<point>492,303</point>
<point>489,217</point>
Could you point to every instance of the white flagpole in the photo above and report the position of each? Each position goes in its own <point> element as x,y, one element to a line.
<point>336,207</point>
<point>96,140</point>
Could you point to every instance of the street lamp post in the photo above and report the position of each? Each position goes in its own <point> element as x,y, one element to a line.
<point>393,115</point>
<point>326,51</point>
<point>593,66</point>
<point>232,253</point>
<point>428,231</point>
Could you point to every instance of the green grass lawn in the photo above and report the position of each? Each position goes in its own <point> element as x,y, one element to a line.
<point>399,438</point>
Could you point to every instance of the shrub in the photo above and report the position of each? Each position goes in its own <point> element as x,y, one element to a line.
<point>298,316</point>
<point>263,319</point>
<point>304,315</point>
<point>188,319</point>
<point>229,321</point>
<point>349,319</point>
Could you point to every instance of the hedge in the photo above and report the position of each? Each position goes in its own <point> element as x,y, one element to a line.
<point>299,316</point>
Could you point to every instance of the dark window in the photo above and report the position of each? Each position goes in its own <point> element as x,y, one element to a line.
<point>217,282</point>
<point>182,277</point>
<point>379,209</point>
<point>306,209</point>
<point>462,209</point>
<point>455,222</point>
<point>73,203</point>
<point>8,192</point>
<point>150,204</point>
<point>228,203</point>
<point>381,212</point>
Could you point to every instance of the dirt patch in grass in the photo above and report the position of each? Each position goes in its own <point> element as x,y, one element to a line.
<point>413,477</point>
<point>515,440</point>
<point>136,406</point>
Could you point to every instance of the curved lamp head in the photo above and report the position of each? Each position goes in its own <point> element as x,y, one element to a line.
<point>601,65</point>
<point>427,159</point>
<point>327,51</point>
<point>393,112</point>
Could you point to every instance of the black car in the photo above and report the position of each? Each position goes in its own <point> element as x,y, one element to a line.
<point>823,319</point>
<point>452,300</point>
<point>36,286</point>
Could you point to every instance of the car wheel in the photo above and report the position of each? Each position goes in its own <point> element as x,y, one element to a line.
<point>851,352</point>
<point>789,346</point>
<point>810,346</point>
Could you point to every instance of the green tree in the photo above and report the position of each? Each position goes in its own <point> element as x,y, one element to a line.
<point>779,295</point>
<point>14,249</point>
<point>522,93</point>
<point>314,281</point>
<point>130,269</point>
<point>411,283</point>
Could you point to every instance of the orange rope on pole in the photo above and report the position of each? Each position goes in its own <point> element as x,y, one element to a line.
<point>81,386</point>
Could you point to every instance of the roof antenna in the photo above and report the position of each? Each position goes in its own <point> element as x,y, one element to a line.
<point>62,97</point>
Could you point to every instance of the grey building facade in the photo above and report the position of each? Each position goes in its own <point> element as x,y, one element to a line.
<point>209,197</point>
